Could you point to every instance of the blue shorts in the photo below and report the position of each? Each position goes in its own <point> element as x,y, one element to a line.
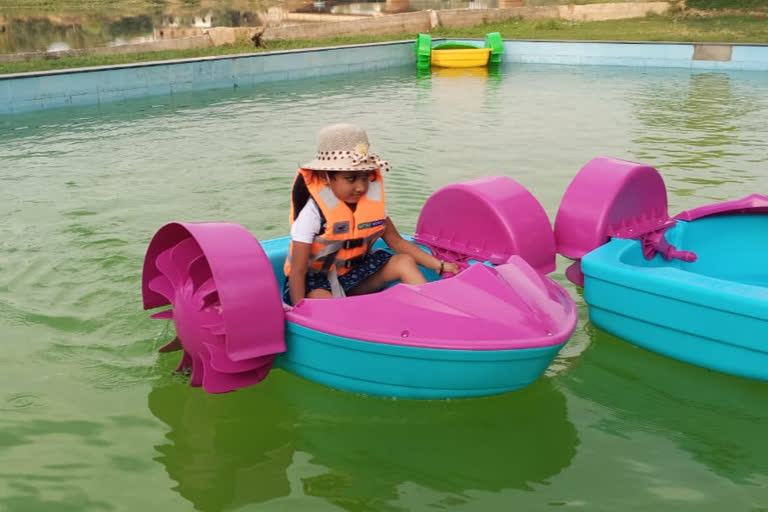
<point>372,263</point>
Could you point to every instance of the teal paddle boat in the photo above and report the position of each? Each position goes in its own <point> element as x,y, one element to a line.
<point>693,287</point>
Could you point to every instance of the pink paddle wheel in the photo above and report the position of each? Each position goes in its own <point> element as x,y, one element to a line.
<point>225,302</point>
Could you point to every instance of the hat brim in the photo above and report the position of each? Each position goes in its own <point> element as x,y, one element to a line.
<point>342,164</point>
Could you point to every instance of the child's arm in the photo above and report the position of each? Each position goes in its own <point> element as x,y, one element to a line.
<point>399,244</point>
<point>298,275</point>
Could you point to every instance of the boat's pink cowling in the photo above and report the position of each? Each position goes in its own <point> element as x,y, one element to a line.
<point>507,307</point>
<point>755,203</point>
<point>608,198</point>
<point>487,219</point>
<point>226,302</point>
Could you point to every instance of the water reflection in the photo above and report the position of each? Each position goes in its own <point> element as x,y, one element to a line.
<point>700,128</point>
<point>714,417</point>
<point>473,82</point>
<point>454,96</point>
<point>244,447</point>
<point>231,448</point>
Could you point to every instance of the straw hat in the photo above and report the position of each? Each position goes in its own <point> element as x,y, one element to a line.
<point>344,147</point>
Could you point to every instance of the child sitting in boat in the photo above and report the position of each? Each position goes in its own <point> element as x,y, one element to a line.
<point>338,211</point>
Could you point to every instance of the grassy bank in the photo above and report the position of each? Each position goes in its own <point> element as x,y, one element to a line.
<point>728,5</point>
<point>718,28</point>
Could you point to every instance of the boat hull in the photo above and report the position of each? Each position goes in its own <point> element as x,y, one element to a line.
<point>712,313</point>
<point>405,371</point>
<point>461,58</point>
<point>409,372</point>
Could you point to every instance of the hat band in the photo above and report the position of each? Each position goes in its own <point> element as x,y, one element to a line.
<point>355,157</point>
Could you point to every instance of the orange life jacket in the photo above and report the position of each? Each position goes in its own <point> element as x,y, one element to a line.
<point>348,236</point>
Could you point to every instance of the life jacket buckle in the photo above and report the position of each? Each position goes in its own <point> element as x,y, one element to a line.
<point>353,243</point>
<point>354,261</point>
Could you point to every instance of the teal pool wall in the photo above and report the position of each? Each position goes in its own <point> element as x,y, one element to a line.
<point>26,92</point>
<point>667,55</point>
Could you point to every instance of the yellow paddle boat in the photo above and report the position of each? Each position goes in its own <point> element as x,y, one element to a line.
<point>451,54</point>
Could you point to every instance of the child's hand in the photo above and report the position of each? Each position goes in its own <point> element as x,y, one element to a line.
<point>451,267</point>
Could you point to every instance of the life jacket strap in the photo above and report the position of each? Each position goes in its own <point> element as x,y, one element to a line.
<point>336,289</point>
<point>328,254</point>
<point>334,246</point>
<point>351,262</point>
<point>331,260</point>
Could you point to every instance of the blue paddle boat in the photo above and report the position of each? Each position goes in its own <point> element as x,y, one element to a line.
<point>693,287</point>
<point>493,328</point>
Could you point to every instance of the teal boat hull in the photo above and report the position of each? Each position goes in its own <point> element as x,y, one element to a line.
<point>360,366</point>
<point>711,313</point>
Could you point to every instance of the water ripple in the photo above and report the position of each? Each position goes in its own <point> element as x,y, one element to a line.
<point>21,402</point>
<point>84,189</point>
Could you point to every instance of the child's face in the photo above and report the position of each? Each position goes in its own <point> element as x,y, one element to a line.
<point>349,186</point>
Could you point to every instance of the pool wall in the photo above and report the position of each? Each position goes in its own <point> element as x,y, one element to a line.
<point>24,92</point>
<point>720,56</point>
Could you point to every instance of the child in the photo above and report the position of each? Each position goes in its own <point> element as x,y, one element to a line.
<point>337,213</point>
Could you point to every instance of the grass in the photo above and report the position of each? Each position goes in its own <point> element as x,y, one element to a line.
<point>724,28</point>
<point>741,5</point>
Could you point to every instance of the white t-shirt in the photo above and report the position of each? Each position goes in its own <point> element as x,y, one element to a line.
<point>307,225</point>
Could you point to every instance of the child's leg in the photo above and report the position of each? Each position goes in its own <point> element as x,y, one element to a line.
<point>316,286</point>
<point>400,267</point>
<point>320,293</point>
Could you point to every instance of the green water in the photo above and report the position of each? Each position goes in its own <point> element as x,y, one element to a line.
<point>91,417</point>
